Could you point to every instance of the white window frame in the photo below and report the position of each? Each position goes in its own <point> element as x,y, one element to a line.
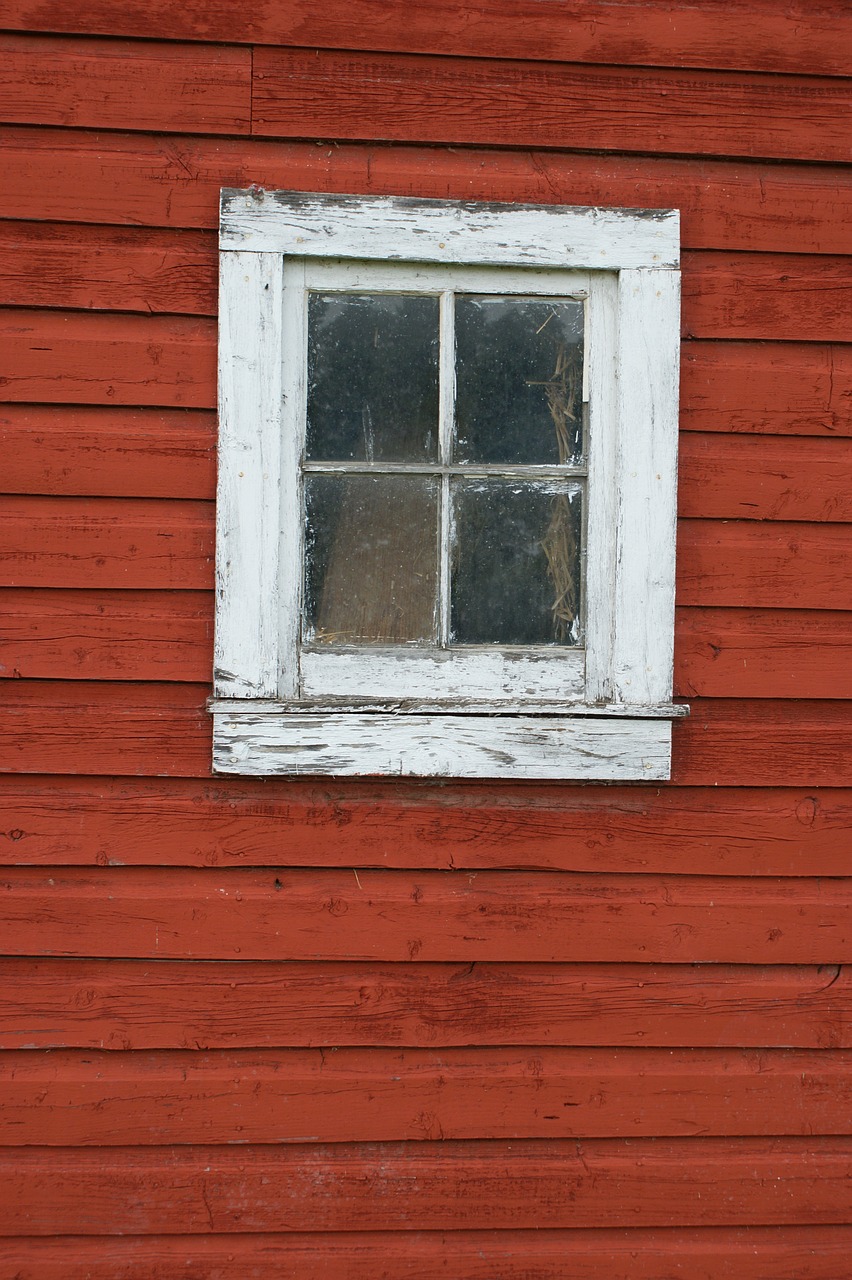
<point>603,712</point>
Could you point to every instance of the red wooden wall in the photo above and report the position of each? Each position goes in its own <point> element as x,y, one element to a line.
<point>372,1030</point>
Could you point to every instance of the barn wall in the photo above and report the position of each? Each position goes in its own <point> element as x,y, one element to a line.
<point>392,1030</point>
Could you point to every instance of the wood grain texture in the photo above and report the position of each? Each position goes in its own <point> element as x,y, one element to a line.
<point>170,361</point>
<point>796,740</point>
<point>394,97</point>
<point>748,34</point>
<point>760,478</point>
<point>165,730</point>
<point>772,565</point>
<point>46,264</point>
<point>138,543</point>
<point>92,635</point>
<point>76,542</point>
<point>151,453</point>
<point>429,1185</point>
<point>791,296</point>
<point>119,84</point>
<point>126,1004</point>
<point>520,747</point>
<point>781,388</point>
<point>78,634</point>
<point>278,823</point>
<point>69,175</point>
<point>762,653</point>
<point>171,454</point>
<point>71,357</point>
<point>93,1099</point>
<point>710,1253</point>
<point>378,915</point>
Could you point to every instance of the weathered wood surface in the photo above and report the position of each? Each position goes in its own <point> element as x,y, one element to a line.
<point>730,296</point>
<point>749,34</point>
<point>760,478</point>
<point>92,635</point>
<point>72,357</point>
<point>298,93</point>
<point>781,388</point>
<point>710,1253</point>
<point>156,453</point>
<point>136,543</point>
<point>165,729</point>
<point>791,296</point>
<point>79,542</point>
<point>70,175</point>
<point>93,1099</point>
<point>97,451</point>
<point>246,822</point>
<point>160,913</point>
<point>45,264</point>
<point>762,653</point>
<point>119,84</point>
<point>166,453</point>
<point>123,84</point>
<point>80,634</point>
<point>778,564</point>
<point>430,1185</point>
<point>126,1004</point>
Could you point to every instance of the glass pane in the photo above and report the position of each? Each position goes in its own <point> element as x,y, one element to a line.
<point>372,378</point>
<point>519,371</point>
<point>515,562</point>
<point>371,557</point>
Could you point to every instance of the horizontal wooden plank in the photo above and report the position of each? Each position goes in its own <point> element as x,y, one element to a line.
<point>757,653</point>
<point>168,635</point>
<point>791,296</point>
<point>796,740</point>
<point>123,84</point>
<point>428,1185</point>
<point>137,542</point>
<point>94,635</point>
<point>45,264</point>
<point>133,727</point>
<point>710,1253</point>
<point>155,729</point>
<point>75,176</point>
<point>249,822</point>
<point>127,1004</point>
<point>73,357</point>
<point>781,388</point>
<point>175,914</point>
<point>776,564</point>
<point>747,34</point>
<point>157,453</point>
<point>399,98</point>
<point>760,478</point>
<point>94,1099</point>
<point>171,454</point>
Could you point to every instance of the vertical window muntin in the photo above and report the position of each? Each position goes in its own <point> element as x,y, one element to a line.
<point>568,476</point>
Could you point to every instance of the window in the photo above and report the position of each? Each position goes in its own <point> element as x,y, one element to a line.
<point>446,509</point>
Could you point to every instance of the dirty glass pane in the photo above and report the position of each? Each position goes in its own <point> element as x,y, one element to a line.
<point>371,555</point>
<point>372,378</point>
<point>515,562</point>
<point>519,370</point>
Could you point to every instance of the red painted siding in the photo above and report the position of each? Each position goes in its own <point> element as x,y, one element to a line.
<point>373,1029</point>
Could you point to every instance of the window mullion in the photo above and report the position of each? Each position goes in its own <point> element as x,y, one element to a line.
<point>446,415</point>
